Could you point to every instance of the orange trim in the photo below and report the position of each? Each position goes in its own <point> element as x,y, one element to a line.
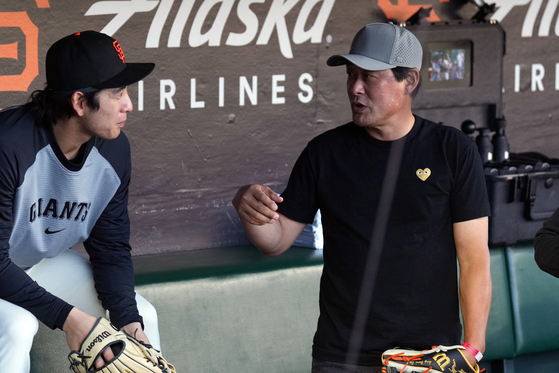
<point>119,50</point>
<point>8,51</point>
<point>404,358</point>
<point>21,82</point>
<point>402,10</point>
<point>42,3</point>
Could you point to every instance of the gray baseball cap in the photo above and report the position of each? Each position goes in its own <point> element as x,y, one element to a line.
<point>382,46</point>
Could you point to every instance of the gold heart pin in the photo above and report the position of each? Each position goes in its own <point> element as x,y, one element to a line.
<point>423,174</point>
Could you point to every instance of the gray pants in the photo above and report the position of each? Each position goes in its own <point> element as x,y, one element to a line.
<point>319,366</point>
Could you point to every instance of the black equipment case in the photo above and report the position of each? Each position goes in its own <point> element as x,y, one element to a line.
<point>523,193</point>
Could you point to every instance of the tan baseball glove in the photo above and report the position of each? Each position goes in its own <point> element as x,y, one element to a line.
<point>131,355</point>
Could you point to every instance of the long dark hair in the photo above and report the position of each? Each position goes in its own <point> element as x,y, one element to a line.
<point>48,110</point>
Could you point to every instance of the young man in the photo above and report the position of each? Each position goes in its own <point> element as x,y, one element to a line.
<point>393,185</point>
<point>64,177</point>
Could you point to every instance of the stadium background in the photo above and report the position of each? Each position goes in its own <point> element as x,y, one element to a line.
<point>240,86</point>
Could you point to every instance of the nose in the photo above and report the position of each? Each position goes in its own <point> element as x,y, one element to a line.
<point>127,103</point>
<point>355,86</point>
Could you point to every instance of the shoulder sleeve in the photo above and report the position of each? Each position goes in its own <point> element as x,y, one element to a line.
<point>546,245</point>
<point>16,286</point>
<point>469,198</point>
<point>108,244</point>
<point>300,196</point>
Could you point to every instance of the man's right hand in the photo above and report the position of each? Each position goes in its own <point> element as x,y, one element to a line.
<point>77,326</point>
<point>257,204</point>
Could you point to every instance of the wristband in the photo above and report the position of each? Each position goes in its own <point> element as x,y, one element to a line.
<point>474,351</point>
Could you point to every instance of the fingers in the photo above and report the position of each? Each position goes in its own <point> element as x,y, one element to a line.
<point>257,204</point>
<point>99,363</point>
<point>256,219</point>
<point>77,326</point>
<point>265,197</point>
<point>108,354</point>
<point>106,357</point>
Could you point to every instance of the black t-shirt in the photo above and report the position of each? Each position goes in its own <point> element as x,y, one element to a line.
<point>546,245</point>
<point>440,181</point>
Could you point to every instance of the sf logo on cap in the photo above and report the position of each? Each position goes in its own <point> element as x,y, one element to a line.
<point>119,50</point>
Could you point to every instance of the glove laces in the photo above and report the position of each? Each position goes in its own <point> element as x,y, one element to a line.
<point>78,362</point>
<point>146,348</point>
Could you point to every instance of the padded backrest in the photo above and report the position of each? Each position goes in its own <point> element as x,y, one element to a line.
<point>234,310</point>
<point>249,323</point>
<point>500,340</point>
<point>535,302</point>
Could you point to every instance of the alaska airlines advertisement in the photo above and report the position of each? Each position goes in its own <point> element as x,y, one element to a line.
<point>240,87</point>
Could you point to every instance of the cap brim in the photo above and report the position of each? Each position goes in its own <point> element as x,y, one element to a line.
<point>358,60</point>
<point>130,75</point>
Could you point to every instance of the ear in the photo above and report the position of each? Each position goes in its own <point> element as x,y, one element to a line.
<point>412,80</point>
<point>78,102</point>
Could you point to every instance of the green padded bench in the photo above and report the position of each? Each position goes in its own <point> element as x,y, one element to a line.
<point>233,310</point>
<point>500,328</point>
<point>535,303</point>
<point>523,327</point>
<point>221,310</point>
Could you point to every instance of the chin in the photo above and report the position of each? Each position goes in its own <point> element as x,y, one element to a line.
<point>365,121</point>
<point>115,134</point>
<point>359,122</point>
<point>111,135</point>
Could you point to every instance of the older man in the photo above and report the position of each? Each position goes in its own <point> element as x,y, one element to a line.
<point>431,180</point>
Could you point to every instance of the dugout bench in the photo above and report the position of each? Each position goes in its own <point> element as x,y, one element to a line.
<point>232,310</point>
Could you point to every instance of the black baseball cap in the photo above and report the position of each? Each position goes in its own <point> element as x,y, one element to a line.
<point>89,60</point>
